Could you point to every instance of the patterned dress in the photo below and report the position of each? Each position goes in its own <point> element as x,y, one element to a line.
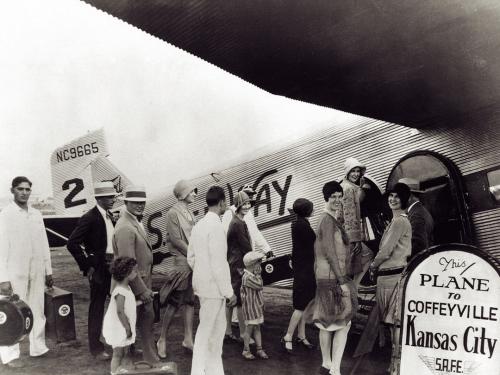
<point>251,298</point>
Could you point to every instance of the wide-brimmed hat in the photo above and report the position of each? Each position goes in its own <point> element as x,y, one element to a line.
<point>240,199</point>
<point>104,189</point>
<point>413,184</point>
<point>252,258</point>
<point>134,193</point>
<point>351,163</point>
<point>182,188</point>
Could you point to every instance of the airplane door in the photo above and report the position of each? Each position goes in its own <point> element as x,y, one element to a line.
<point>443,194</point>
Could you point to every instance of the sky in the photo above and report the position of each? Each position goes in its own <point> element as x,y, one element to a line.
<point>67,68</point>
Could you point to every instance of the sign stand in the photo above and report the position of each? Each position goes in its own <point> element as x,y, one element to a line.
<point>450,313</point>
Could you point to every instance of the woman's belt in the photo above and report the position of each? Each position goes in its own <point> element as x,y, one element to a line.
<point>388,272</point>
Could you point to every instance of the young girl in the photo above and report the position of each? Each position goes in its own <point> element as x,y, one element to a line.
<point>252,304</point>
<point>119,322</point>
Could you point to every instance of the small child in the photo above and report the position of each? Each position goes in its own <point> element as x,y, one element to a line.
<point>119,322</point>
<point>252,303</point>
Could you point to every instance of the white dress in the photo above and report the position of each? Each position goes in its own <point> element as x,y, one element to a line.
<point>112,329</point>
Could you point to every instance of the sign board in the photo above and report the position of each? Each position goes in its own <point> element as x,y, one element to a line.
<point>450,314</point>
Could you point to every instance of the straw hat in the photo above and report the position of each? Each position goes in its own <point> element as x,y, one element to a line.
<point>104,189</point>
<point>134,193</point>
<point>413,184</point>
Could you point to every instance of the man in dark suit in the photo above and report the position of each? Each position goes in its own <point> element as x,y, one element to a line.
<point>422,224</point>
<point>95,231</point>
<point>130,239</point>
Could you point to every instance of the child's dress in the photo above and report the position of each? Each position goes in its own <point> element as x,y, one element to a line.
<point>251,298</point>
<point>113,330</point>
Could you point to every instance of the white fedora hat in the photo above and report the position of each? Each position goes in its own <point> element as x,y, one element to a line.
<point>104,189</point>
<point>134,193</point>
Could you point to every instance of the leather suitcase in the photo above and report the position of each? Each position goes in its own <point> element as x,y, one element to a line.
<point>16,320</point>
<point>60,314</point>
<point>144,368</point>
<point>277,269</point>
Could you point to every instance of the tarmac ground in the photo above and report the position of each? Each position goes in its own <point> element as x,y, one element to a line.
<point>73,357</point>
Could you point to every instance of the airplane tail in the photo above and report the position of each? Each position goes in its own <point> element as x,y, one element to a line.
<point>75,168</point>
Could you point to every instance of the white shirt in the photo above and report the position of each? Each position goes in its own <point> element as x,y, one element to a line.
<point>258,241</point>
<point>207,256</point>
<point>109,229</point>
<point>24,247</point>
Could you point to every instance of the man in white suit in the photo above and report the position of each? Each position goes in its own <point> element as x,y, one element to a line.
<point>25,266</point>
<point>207,256</point>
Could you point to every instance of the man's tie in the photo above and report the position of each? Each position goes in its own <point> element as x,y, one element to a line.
<point>110,216</point>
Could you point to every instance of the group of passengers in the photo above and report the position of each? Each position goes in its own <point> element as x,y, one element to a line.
<point>333,259</point>
<point>328,265</point>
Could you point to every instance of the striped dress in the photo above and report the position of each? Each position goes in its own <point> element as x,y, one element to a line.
<point>252,298</point>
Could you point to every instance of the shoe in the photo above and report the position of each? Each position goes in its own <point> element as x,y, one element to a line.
<point>261,354</point>
<point>305,343</point>
<point>187,348</point>
<point>15,363</point>
<point>323,371</point>
<point>247,354</point>
<point>102,356</point>
<point>287,345</point>
<point>162,352</point>
<point>232,338</point>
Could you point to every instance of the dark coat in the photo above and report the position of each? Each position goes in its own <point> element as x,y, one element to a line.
<point>91,232</point>
<point>422,227</point>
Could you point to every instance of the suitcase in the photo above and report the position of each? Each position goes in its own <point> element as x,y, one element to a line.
<point>144,368</point>
<point>60,314</point>
<point>277,269</point>
<point>16,320</point>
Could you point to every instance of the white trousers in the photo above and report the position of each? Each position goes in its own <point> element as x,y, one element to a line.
<point>207,351</point>
<point>32,292</point>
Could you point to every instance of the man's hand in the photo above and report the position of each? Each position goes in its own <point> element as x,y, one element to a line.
<point>231,301</point>
<point>146,297</point>
<point>6,288</point>
<point>269,254</point>
<point>357,248</point>
<point>90,272</point>
<point>49,282</point>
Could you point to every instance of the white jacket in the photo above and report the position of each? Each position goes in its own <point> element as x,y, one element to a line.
<point>207,256</point>
<point>24,248</point>
<point>259,243</point>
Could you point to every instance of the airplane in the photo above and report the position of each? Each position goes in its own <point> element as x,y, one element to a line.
<point>409,129</point>
<point>457,172</point>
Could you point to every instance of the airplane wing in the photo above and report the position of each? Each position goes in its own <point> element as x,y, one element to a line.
<point>404,62</point>
<point>59,228</point>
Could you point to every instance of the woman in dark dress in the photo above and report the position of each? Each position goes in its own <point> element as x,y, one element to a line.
<point>304,283</point>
